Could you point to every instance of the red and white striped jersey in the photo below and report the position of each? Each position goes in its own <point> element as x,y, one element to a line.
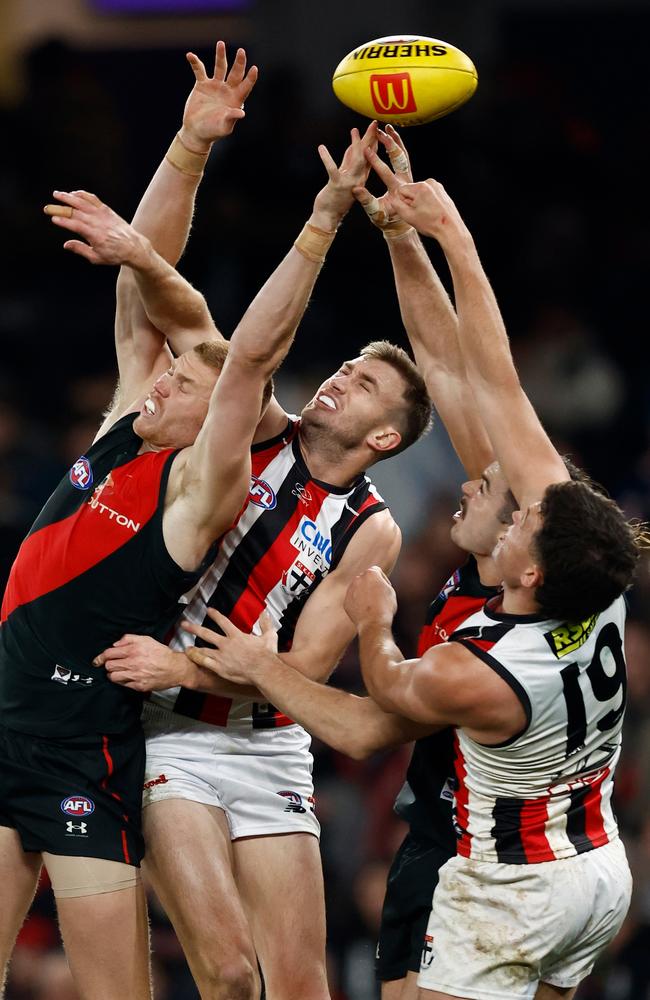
<point>546,793</point>
<point>291,533</point>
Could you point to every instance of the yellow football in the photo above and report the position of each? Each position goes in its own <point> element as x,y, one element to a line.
<point>405,80</point>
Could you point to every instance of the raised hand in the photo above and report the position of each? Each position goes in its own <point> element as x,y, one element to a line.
<point>423,204</point>
<point>334,201</point>
<point>216,102</point>
<point>110,239</point>
<point>380,210</point>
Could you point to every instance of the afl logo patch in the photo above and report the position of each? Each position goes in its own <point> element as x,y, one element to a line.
<point>81,474</point>
<point>77,805</point>
<point>261,494</point>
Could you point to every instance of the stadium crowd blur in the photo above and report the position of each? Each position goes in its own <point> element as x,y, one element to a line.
<point>551,179</point>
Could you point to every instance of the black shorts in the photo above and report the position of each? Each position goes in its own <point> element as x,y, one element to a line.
<point>79,797</point>
<point>412,878</point>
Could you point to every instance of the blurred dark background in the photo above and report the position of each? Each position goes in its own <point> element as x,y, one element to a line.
<point>548,164</point>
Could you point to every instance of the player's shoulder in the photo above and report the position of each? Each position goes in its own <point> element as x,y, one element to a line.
<point>377,541</point>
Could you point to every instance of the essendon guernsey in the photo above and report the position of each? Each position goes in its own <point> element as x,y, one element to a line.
<point>425,800</point>
<point>293,531</point>
<point>546,793</point>
<point>93,567</point>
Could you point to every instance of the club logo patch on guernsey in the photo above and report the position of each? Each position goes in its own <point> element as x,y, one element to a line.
<point>81,474</point>
<point>261,494</point>
<point>77,805</point>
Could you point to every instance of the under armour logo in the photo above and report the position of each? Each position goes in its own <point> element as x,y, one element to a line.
<point>81,827</point>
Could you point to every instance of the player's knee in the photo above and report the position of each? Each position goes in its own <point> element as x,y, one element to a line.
<point>297,984</point>
<point>233,979</point>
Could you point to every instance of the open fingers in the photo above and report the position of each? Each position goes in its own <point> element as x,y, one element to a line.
<point>198,68</point>
<point>82,250</point>
<point>266,623</point>
<point>224,623</point>
<point>328,162</point>
<point>382,170</point>
<point>397,154</point>
<point>220,61</point>
<point>238,68</point>
<point>248,82</point>
<point>201,632</point>
<point>369,138</point>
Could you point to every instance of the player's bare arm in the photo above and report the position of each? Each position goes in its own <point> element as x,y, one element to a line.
<point>170,302</point>
<point>165,211</point>
<point>209,481</point>
<point>331,205</point>
<point>213,108</point>
<point>351,724</point>
<point>322,634</point>
<point>528,458</point>
<point>448,685</point>
<point>429,317</point>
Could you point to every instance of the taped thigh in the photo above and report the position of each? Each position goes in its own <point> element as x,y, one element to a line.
<point>72,877</point>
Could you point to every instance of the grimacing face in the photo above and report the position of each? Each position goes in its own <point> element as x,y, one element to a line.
<point>359,399</point>
<point>478,525</point>
<point>173,412</point>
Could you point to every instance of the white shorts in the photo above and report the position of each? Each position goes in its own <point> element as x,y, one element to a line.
<point>496,931</point>
<point>261,778</point>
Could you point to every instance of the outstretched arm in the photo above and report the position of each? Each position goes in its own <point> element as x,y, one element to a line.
<point>216,470</point>
<point>429,318</point>
<point>529,460</point>
<point>165,212</point>
<point>170,302</point>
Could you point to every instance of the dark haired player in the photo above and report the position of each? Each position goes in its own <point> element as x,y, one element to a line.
<point>540,884</point>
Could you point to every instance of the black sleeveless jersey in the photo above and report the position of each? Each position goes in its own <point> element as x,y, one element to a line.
<point>93,566</point>
<point>425,800</point>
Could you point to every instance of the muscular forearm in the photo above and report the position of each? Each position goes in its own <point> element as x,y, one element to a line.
<point>165,212</point>
<point>354,726</point>
<point>268,325</point>
<point>427,312</point>
<point>432,327</point>
<point>201,679</point>
<point>172,305</point>
<point>382,663</point>
<point>482,335</point>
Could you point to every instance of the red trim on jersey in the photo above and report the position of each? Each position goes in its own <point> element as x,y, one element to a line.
<point>110,769</point>
<point>260,459</point>
<point>215,710</point>
<point>60,552</point>
<point>454,612</point>
<point>532,821</point>
<point>264,576</point>
<point>461,797</point>
<point>594,820</point>
<point>125,848</point>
